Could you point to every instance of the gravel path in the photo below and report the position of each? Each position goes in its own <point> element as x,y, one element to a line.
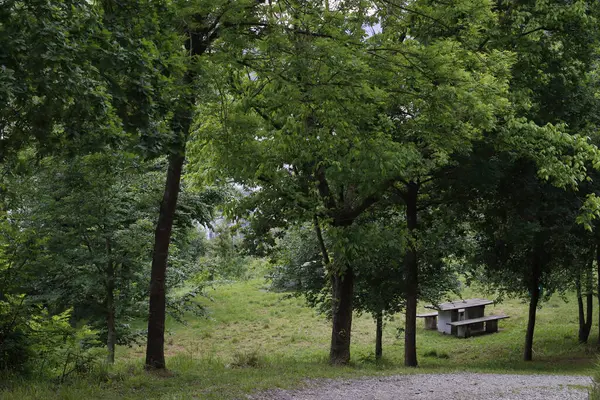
<point>456,386</point>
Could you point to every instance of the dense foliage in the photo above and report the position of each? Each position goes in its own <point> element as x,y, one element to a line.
<point>380,151</point>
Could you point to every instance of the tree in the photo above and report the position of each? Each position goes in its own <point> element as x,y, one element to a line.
<point>379,288</point>
<point>451,93</point>
<point>203,23</point>
<point>523,236</point>
<point>559,88</point>
<point>302,254</point>
<point>299,157</point>
<point>327,121</point>
<point>543,137</point>
<point>382,242</point>
<point>85,224</point>
<point>105,77</point>
<point>79,231</point>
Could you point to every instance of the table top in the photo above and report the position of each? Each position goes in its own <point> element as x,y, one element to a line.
<point>455,305</point>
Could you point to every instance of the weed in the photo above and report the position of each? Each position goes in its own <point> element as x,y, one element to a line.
<point>250,359</point>
<point>434,354</point>
<point>594,391</point>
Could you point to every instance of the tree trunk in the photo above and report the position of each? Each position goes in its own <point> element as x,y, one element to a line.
<point>410,329</point>
<point>581,334</point>
<point>528,356</point>
<point>343,293</point>
<point>412,278</point>
<point>111,338</point>
<point>534,289</point>
<point>589,317</point>
<point>598,283</point>
<point>155,355</point>
<point>589,297</point>
<point>198,40</point>
<point>341,303</point>
<point>379,336</point>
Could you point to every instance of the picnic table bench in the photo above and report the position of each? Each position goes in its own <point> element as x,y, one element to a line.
<point>464,317</point>
<point>430,320</point>
<point>464,326</point>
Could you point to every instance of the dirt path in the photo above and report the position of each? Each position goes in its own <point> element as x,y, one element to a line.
<point>456,386</point>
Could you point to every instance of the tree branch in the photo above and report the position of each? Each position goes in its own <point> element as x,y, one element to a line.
<point>321,241</point>
<point>349,216</point>
<point>540,28</point>
<point>437,21</point>
<point>324,190</point>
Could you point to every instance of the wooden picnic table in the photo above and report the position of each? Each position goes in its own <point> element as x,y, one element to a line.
<point>465,327</point>
<point>460,310</point>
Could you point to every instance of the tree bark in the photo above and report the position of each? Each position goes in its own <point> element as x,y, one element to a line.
<point>580,311</point>
<point>528,355</point>
<point>589,297</point>
<point>379,336</point>
<point>534,289</point>
<point>341,303</point>
<point>155,351</point>
<point>319,233</point>
<point>590,313</point>
<point>111,328</point>
<point>111,339</point>
<point>412,277</point>
<point>343,293</point>
<point>342,281</point>
<point>586,317</point>
<point>598,283</point>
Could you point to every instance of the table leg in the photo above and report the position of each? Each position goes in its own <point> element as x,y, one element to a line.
<point>475,312</point>
<point>464,331</point>
<point>491,326</point>
<point>431,323</point>
<point>454,316</point>
<point>442,322</point>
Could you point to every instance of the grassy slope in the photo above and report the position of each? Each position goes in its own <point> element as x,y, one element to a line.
<point>255,339</point>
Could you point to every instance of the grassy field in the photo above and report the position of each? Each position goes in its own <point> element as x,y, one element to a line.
<point>255,339</point>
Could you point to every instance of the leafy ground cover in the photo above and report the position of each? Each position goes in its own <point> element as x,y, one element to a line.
<point>255,339</point>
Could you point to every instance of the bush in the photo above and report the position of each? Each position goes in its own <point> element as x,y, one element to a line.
<point>33,341</point>
<point>15,349</point>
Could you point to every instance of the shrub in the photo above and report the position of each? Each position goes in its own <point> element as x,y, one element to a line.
<point>32,340</point>
<point>15,349</point>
